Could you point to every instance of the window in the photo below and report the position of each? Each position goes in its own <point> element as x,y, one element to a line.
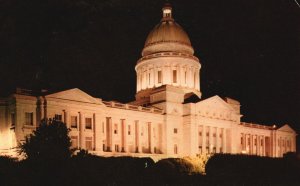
<point>117,148</point>
<point>149,78</point>
<point>159,76</point>
<point>28,118</point>
<point>220,135</point>
<point>88,123</point>
<point>207,134</point>
<point>13,120</point>
<point>88,143</point>
<point>73,121</point>
<point>242,140</point>
<point>175,149</point>
<point>200,133</point>
<point>175,130</point>
<point>185,76</point>
<point>174,76</point>
<point>116,128</point>
<point>102,127</point>
<point>74,142</point>
<point>261,142</point>
<point>58,117</point>
<point>255,142</point>
<point>129,129</point>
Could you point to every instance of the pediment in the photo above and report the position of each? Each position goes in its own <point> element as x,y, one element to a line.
<point>286,128</point>
<point>215,103</point>
<point>74,94</point>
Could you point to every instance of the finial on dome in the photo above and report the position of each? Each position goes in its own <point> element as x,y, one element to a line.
<point>167,11</point>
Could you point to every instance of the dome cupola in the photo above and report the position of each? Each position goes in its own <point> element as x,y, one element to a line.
<point>167,36</point>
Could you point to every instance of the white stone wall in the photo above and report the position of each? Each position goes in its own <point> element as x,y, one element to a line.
<point>209,126</point>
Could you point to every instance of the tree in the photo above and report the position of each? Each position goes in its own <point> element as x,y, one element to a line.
<point>50,141</point>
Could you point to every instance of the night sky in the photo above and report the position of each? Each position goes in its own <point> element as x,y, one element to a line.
<point>249,49</point>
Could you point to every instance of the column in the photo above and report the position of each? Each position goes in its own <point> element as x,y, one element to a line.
<point>108,134</point>
<point>94,132</point>
<point>293,141</point>
<point>198,79</point>
<point>123,131</point>
<point>204,139</point>
<point>81,129</point>
<point>137,137</point>
<point>264,146</point>
<point>67,118</point>
<point>251,143</point>
<point>211,144</point>
<point>244,142</point>
<point>112,147</point>
<point>224,141</point>
<point>258,145</point>
<point>255,145</point>
<point>217,140</point>
<point>149,137</point>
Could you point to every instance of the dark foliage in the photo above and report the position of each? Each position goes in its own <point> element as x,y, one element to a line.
<point>253,170</point>
<point>87,169</point>
<point>50,141</point>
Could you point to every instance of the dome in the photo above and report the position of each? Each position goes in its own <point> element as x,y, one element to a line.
<point>167,36</point>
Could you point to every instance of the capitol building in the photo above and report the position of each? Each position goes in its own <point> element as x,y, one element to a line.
<point>163,121</point>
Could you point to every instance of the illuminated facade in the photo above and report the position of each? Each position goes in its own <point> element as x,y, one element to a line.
<point>160,123</point>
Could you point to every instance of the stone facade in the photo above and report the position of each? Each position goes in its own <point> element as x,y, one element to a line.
<point>160,123</point>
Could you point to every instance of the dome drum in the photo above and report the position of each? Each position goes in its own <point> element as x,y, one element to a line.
<point>175,71</point>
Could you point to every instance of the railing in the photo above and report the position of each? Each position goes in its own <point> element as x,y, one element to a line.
<point>254,125</point>
<point>168,54</point>
<point>132,107</point>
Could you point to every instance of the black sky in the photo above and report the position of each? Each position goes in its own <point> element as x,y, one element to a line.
<point>249,50</point>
